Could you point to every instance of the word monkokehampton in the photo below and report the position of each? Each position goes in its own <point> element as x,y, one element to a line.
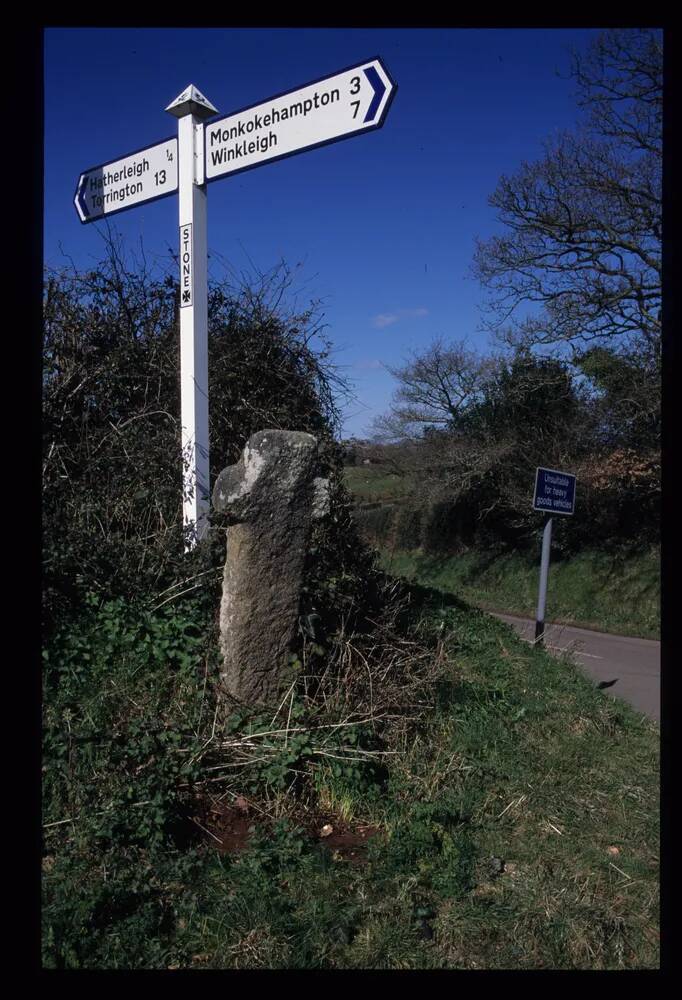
<point>297,109</point>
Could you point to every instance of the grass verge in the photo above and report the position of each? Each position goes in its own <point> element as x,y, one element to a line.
<point>617,593</point>
<point>516,812</point>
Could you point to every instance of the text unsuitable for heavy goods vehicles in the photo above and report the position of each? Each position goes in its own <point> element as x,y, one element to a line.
<point>556,490</point>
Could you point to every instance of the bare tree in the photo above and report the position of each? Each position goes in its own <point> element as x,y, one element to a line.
<point>434,386</point>
<point>583,224</point>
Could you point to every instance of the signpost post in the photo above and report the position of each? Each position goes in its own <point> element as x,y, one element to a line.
<point>192,109</point>
<point>347,103</point>
<point>554,494</point>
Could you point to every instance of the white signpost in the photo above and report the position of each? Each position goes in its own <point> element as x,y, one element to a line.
<point>191,109</point>
<point>347,103</point>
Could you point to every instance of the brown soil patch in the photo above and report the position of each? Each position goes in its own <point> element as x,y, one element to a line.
<point>347,843</point>
<point>230,826</point>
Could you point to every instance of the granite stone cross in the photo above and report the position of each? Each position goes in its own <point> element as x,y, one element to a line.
<point>269,497</point>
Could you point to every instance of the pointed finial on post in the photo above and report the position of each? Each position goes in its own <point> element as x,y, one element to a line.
<point>191,102</point>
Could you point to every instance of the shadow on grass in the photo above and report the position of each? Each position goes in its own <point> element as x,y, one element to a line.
<point>426,598</point>
<point>450,691</point>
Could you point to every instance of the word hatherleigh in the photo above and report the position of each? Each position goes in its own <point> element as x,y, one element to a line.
<point>106,180</point>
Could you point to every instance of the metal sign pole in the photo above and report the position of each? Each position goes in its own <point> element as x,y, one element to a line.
<point>191,108</point>
<point>544,573</point>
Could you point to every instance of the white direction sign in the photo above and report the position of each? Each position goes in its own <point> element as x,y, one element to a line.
<point>326,110</point>
<point>144,175</point>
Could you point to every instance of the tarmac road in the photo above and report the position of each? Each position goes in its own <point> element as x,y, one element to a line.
<point>628,668</point>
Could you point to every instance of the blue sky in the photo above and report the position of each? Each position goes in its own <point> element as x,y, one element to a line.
<point>383,223</point>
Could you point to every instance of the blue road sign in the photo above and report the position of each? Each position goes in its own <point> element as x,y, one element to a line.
<point>554,491</point>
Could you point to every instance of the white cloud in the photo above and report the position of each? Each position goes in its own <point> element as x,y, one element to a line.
<point>386,319</point>
<point>364,365</point>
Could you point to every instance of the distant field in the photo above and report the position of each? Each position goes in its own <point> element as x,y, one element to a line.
<point>373,482</point>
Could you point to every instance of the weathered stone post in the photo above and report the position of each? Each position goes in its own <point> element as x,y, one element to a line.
<point>270,497</point>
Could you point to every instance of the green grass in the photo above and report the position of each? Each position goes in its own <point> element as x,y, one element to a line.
<point>611,593</point>
<point>374,482</point>
<point>519,816</point>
